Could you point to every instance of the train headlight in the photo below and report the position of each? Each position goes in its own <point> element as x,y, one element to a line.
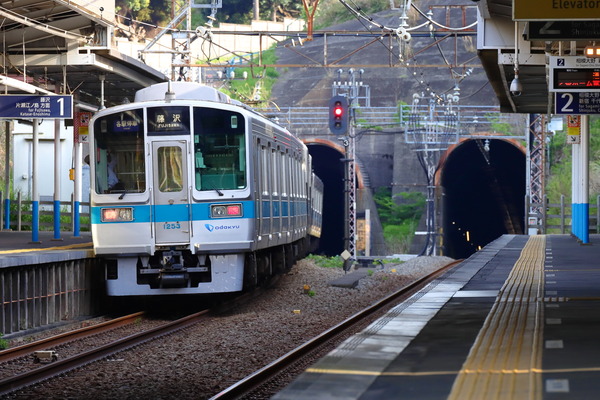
<point>117,214</point>
<point>225,210</point>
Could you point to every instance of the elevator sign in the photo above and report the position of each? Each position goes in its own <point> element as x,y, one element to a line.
<point>555,10</point>
<point>34,106</point>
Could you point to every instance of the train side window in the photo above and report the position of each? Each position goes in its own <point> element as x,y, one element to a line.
<point>274,172</point>
<point>219,149</point>
<point>264,160</point>
<point>285,173</point>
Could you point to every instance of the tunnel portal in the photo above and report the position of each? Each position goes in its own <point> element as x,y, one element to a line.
<point>484,192</point>
<point>327,165</point>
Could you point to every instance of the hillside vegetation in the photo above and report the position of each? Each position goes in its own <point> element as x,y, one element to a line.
<point>329,12</point>
<point>560,161</point>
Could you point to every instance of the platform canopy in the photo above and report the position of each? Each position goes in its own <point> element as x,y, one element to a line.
<point>534,30</point>
<point>50,44</point>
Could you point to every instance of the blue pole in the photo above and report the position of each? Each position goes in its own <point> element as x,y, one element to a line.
<point>35,215</point>
<point>584,179</point>
<point>585,223</point>
<point>7,213</point>
<point>76,225</point>
<point>56,220</point>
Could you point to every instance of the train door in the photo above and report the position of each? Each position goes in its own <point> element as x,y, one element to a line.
<point>171,215</point>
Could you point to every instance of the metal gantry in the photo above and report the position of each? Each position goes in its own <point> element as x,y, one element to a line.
<point>432,130</point>
<point>536,154</point>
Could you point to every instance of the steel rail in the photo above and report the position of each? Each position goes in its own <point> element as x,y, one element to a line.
<point>19,351</point>
<point>19,381</point>
<point>261,376</point>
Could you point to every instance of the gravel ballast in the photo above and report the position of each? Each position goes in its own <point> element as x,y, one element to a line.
<point>202,360</point>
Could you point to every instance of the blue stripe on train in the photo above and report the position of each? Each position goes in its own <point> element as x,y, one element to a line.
<point>201,211</point>
<point>178,212</point>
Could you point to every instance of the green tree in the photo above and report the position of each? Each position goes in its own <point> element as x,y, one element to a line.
<point>399,217</point>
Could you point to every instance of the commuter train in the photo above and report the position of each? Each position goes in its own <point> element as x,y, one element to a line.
<point>194,193</point>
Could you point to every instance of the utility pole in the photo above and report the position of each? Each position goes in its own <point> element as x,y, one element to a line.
<point>256,10</point>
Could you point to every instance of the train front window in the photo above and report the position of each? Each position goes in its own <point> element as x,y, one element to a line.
<point>119,153</point>
<point>219,149</point>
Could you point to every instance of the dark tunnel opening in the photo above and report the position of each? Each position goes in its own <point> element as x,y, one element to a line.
<point>484,192</point>
<point>328,166</point>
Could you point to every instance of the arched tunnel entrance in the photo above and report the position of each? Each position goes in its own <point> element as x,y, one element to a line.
<point>484,192</point>
<point>327,165</point>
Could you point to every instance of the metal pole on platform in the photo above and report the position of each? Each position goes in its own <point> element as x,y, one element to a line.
<point>77,189</point>
<point>7,175</point>
<point>584,179</point>
<point>57,176</point>
<point>35,196</point>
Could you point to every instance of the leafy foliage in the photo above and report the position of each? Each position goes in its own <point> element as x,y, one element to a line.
<point>3,343</point>
<point>332,12</point>
<point>559,179</point>
<point>258,81</point>
<point>391,213</point>
<point>399,220</point>
<point>326,262</point>
<point>329,12</point>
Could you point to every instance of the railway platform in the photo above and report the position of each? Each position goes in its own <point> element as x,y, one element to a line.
<point>518,319</point>
<point>16,248</point>
<point>45,282</point>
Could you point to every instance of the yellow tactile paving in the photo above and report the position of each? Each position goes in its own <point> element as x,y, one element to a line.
<point>66,247</point>
<point>505,360</point>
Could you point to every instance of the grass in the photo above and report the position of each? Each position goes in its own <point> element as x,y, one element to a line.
<point>3,343</point>
<point>326,262</point>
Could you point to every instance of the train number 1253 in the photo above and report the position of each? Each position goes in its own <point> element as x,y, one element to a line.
<point>171,225</point>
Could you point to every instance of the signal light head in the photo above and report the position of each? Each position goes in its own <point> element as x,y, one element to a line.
<point>338,115</point>
<point>338,111</point>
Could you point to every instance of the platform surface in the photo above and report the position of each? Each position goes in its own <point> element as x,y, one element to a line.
<point>518,319</point>
<point>18,248</point>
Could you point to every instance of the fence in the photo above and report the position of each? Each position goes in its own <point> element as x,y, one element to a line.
<point>472,118</point>
<point>556,217</point>
<point>21,215</point>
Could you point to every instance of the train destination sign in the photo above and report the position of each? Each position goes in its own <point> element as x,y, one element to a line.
<point>577,103</point>
<point>574,74</point>
<point>555,10</point>
<point>36,106</point>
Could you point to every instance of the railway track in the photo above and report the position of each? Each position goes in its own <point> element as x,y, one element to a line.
<point>263,382</point>
<point>58,367</point>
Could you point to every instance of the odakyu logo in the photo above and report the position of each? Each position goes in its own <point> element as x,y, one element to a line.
<point>211,228</point>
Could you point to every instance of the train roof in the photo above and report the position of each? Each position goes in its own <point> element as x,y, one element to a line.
<point>181,91</point>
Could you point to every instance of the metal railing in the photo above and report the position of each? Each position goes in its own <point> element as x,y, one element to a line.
<point>556,217</point>
<point>472,119</point>
<point>21,215</point>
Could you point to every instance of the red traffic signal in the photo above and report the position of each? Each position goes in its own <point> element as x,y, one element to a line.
<point>338,115</point>
<point>338,111</point>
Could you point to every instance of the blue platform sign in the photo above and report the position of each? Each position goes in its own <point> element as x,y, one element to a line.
<point>577,103</point>
<point>36,106</point>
